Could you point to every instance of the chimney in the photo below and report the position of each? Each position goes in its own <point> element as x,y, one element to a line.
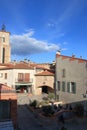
<point>73,56</point>
<point>80,57</point>
<point>25,60</point>
<point>14,62</point>
<point>58,52</point>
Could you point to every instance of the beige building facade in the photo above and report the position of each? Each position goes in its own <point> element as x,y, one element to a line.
<point>19,76</point>
<point>71,79</point>
<point>4,46</point>
<point>25,78</point>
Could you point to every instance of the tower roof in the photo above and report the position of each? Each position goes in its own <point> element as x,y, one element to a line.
<point>3,28</point>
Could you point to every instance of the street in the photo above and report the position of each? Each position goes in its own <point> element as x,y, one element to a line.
<point>28,121</point>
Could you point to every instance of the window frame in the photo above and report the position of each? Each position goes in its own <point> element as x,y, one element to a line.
<point>63,86</point>
<point>5,75</point>
<point>71,87</point>
<point>58,85</point>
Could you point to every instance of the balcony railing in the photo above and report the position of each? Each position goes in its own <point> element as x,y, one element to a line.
<point>24,80</point>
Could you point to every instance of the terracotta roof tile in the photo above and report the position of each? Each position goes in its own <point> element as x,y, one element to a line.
<point>80,60</point>
<point>19,65</point>
<point>45,73</point>
<point>4,88</point>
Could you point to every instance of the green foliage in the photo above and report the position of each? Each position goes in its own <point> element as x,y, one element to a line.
<point>79,110</point>
<point>51,96</point>
<point>33,103</point>
<point>44,103</point>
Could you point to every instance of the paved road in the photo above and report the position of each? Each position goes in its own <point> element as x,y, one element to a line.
<point>27,120</point>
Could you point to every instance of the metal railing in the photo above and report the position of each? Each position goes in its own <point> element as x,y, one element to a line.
<point>24,80</point>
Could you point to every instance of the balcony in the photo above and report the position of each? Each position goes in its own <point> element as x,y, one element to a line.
<point>23,81</point>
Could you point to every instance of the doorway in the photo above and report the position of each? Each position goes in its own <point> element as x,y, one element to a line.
<point>44,89</point>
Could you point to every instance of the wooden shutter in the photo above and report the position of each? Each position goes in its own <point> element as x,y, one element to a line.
<point>20,77</point>
<point>63,86</point>
<point>27,77</point>
<point>58,85</point>
<point>68,87</point>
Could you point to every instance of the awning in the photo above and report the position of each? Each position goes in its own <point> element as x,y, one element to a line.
<point>22,84</point>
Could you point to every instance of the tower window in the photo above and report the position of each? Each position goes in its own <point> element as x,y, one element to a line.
<point>3,56</point>
<point>3,39</point>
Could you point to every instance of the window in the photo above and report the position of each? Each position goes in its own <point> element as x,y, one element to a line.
<point>58,83</point>
<point>20,76</point>
<point>63,73</point>
<point>23,77</point>
<point>63,86</point>
<point>27,77</point>
<point>71,87</point>
<point>1,75</point>
<point>3,39</point>
<point>3,56</point>
<point>5,75</point>
<point>68,86</point>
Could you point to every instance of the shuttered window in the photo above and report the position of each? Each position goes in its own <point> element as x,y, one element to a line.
<point>58,85</point>
<point>23,77</point>
<point>68,86</point>
<point>5,75</point>
<point>63,86</point>
<point>27,77</point>
<point>71,87</point>
<point>20,76</point>
<point>63,73</point>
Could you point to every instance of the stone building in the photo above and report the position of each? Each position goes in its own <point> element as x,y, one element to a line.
<point>71,79</point>
<point>44,82</point>
<point>4,45</point>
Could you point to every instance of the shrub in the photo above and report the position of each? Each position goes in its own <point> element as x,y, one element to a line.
<point>51,96</point>
<point>48,111</point>
<point>33,103</point>
<point>44,103</point>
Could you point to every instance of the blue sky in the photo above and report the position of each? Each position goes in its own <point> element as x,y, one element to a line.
<point>40,27</point>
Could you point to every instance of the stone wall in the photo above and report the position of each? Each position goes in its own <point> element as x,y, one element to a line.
<point>43,81</point>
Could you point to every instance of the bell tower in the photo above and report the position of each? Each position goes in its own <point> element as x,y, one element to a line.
<point>4,45</point>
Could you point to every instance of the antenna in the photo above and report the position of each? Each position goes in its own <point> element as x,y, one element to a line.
<point>60,49</point>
